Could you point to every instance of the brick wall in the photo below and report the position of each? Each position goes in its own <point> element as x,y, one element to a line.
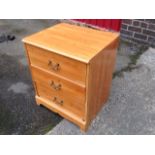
<point>141,31</point>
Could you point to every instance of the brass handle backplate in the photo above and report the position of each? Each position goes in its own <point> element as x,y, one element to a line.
<point>55,86</point>
<point>53,66</point>
<point>57,101</point>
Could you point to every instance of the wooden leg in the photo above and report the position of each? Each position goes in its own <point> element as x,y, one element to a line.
<point>84,128</point>
<point>37,101</point>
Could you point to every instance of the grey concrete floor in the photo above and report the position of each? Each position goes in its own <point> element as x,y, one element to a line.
<point>19,113</point>
<point>130,109</point>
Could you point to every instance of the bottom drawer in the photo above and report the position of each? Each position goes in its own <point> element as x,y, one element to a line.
<point>63,112</point>
<point>61,101</point>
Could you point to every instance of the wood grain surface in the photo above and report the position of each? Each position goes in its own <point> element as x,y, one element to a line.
<point>73,41</point>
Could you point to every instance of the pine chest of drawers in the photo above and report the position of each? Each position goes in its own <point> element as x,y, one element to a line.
<point>71,69</point>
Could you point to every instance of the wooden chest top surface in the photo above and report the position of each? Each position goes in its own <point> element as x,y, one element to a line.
<point>72,41</point>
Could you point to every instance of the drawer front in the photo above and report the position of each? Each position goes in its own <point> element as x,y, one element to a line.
<point>63,66</point>
<point>61,92</point>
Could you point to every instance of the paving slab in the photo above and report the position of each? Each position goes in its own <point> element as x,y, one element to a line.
<point>130,109</point>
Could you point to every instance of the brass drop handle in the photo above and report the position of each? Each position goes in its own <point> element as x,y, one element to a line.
<point>49,62</point>
<point>55,86</point>
<point>54,66</point>
<point>60,102</point>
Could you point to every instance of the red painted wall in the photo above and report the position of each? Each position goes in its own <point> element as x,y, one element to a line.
<point>112,24</point>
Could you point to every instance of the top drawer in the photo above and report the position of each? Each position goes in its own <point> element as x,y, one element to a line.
<point>54,63</point>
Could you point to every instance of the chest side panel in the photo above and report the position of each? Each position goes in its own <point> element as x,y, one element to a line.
<point>99,77</point>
